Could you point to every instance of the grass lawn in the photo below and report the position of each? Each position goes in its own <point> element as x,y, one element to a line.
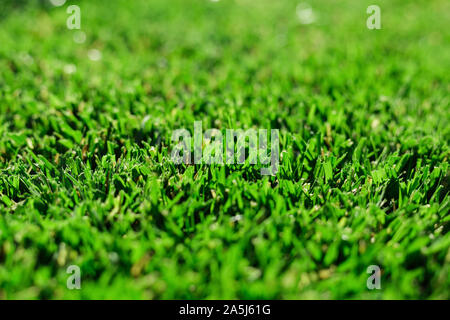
<point>86,177</point>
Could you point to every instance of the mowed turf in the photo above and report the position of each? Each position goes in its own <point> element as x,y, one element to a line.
<point>85,141</point>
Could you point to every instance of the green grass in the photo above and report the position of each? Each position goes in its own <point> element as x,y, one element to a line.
<point>86,176</point>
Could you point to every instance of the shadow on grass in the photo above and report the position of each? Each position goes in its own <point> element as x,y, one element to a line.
<point>9,6</point>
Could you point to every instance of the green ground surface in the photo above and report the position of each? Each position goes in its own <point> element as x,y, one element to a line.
<point>85,171</point>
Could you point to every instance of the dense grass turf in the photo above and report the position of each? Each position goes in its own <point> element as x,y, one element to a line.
<point>85,171</point>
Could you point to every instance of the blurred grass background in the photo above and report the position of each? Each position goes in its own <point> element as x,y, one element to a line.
<point>81,184</point>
